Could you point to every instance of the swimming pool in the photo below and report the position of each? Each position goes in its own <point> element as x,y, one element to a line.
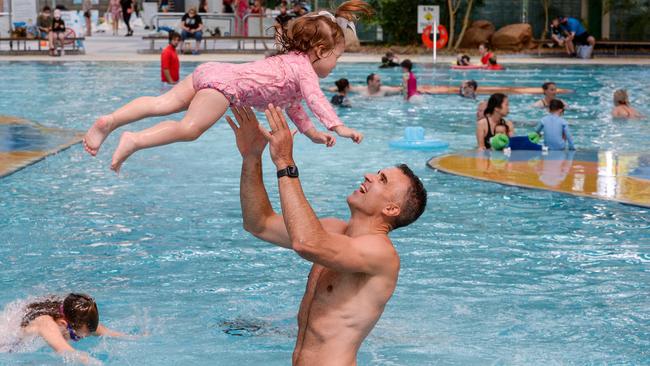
<point>490,274</point>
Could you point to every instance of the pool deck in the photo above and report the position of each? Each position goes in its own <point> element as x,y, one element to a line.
<point>101,47</point>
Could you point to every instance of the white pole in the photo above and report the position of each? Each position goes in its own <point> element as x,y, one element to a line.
<point>435,40</point>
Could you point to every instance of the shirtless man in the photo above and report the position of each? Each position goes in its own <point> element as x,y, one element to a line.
<point>374,88</point>
<point>355,266</point>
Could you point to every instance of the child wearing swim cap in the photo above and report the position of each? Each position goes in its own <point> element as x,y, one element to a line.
<point>311,46</point>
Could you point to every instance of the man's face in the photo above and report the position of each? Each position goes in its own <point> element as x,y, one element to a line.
<point>375,82</point>
<point>555,23</point>
<point>379,192</point>
<point>176,41</point>
<point>47,13</point>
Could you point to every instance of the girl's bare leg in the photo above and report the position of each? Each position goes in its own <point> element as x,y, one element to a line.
<point>175,100</point>
<point>206,108</point>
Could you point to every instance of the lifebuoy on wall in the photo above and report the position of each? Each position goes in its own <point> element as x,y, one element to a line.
<point>443,37</point>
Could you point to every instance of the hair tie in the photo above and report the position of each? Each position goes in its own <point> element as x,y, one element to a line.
<point>341,21</point>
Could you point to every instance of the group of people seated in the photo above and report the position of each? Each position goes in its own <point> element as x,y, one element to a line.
<point>52,28</point>
<point>569,33</point>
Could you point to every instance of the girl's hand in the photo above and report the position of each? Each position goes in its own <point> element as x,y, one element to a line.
<point>319,137</point>
<point>348,132</point>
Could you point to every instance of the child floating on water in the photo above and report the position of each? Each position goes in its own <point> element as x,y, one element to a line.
<point>341,99</point>
<point>59,320</point>
<point>311,47</point>
<point>555,128</point>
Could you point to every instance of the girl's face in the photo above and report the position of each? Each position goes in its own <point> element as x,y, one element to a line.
<point>405,70</point>
<point>325,61</point>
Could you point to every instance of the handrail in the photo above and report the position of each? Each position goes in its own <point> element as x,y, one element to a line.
<point>262,29</point>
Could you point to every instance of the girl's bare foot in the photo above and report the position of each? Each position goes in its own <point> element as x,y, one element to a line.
<point>97,133</point>
<point>125,148</point>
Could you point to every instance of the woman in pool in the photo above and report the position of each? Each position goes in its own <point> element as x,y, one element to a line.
<point>622,107</point>
<point>59,320</point>
<point>341,97</point>
<point>550,93</point>
<point>312,45</point>
<point>485,53</point>
<point>496,110</point>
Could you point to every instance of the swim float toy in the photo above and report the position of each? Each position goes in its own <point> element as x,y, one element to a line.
<point>443,37</point>
<point>414,140</point>
<point>467,67</point>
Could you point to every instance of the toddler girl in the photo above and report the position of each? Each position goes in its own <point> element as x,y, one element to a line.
<point>311,46</point>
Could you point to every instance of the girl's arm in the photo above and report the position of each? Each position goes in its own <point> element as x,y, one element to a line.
<point>306,127</point>
<point>50,332</point>
<point>316,101</point>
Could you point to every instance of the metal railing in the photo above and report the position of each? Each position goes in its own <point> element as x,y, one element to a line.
<point>259,25</point>
<point>225,22</point>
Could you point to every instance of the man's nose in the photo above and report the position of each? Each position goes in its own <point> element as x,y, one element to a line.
<point>369,177</point>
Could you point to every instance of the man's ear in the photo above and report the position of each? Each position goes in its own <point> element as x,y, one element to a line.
<point>391,210</point>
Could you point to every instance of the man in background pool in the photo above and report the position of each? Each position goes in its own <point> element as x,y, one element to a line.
<point>169,64</point>
<point>374,88</point>
<point>355,266</point>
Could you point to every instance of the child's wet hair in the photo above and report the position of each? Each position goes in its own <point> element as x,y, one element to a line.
<point>311,31</point>
<point>555,105</point>
<point>407,64</point>
<point>342,84</point>
<point>78,310</point>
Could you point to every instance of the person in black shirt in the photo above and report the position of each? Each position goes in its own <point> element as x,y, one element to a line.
<point>284,17</point>
<point>341,99</point>
<point>127,10</point>
<point>58,32</point>
<point>192,28</point>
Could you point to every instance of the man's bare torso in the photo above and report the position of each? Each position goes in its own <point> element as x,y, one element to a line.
<point>337,312</point>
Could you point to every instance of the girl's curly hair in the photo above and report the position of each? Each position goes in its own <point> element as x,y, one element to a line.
<point>311,31</point>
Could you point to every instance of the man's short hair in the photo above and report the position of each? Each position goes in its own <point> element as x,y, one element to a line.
<point>555,105</point>
<point>472,84</point>
<point>370,77</point>
<point>46,8</point>
<point>415,199</point>
<point>173,35</point>
<point>547,84</point>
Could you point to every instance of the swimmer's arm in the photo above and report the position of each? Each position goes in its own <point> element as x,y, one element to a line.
<point>392,90</point>
<point>369,254</point>
<point>480,133</point>
<point>102,331</point>
<point>539,127</point>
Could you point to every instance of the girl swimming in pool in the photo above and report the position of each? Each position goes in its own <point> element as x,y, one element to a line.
<point>311,46</point>
<point>59,320</point>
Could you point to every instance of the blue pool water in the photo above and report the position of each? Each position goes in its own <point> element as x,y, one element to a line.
<point>490,274</point>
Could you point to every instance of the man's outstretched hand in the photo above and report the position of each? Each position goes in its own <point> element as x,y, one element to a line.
<point>280,137</point>
<point>250,140</point>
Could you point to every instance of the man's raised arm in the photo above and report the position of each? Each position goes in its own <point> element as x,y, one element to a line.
<point>308,237</point>
<point>259,217</point>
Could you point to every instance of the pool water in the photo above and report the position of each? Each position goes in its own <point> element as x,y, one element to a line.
<point>490,274</point>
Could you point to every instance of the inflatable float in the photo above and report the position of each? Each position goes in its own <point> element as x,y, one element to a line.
<point>487,90</point>
<point>414,140</point>
<point>604,175</point>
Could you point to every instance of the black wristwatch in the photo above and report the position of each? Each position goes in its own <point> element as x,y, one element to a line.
<point>291,171</point>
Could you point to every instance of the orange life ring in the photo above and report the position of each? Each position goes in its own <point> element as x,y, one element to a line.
<point>443,37</point>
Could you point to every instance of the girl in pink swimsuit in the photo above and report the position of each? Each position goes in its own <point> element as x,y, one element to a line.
<point>408,80</point>
<point>311,44</point>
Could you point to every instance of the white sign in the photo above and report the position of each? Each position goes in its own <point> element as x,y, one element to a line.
<point>23,11</point>
<point>427,15</point>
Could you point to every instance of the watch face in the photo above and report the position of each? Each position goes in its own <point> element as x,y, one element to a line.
<point>292,171</point>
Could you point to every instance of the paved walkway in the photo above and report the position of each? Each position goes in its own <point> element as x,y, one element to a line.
<point>103,47</point>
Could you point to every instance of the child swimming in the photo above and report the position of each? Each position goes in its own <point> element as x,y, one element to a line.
<point>311,46</point>
<point>341,97</point>
<point>58,320</point>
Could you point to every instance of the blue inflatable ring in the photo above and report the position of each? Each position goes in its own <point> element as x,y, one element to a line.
<point>414,140</point>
